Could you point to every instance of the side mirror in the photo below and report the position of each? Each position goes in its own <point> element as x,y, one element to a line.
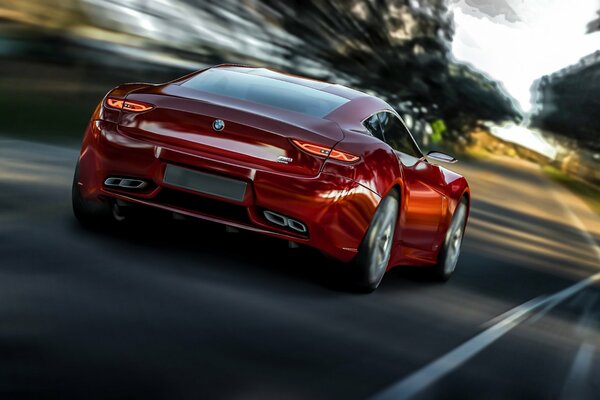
<point>439,156</point>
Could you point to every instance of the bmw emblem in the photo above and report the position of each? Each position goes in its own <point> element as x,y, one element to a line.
<point>218,124</point>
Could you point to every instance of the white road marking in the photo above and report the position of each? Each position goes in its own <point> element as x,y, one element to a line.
<point>421,379</point>
<point>580,225</point>
<point>578,375</point>
<point>577,385</point>
<point>519,308</point>
<point>429,374</point>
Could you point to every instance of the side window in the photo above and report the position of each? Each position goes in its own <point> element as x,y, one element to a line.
<point>373,126</point>
<point>397,136</point>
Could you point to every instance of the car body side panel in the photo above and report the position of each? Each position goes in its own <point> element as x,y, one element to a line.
<point>429,193</point>
<point>377,169</point>
<point>421,186</point>
<point>424,207</point>
<point>431,196</point>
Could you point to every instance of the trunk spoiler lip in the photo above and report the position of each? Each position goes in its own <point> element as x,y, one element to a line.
<point>166,90</point>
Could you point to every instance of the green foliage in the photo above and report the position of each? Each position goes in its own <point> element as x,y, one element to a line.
<point>439,127</point>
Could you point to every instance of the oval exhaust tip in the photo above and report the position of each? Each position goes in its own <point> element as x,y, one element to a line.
<point>126,183</point>
<point>284,221</point>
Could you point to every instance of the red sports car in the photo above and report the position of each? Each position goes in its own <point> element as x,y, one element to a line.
<point>302,160</point>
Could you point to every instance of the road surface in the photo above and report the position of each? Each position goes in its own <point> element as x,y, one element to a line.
<point>180,310</point>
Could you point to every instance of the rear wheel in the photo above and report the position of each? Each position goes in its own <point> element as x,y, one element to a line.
<point>448,257</point>
<point>376,247</point>
<point>91,214</point>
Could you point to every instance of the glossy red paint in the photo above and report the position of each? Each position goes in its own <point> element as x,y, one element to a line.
<point>334,198</point>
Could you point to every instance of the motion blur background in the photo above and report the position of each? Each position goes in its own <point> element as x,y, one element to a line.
<point>445,65</point>
<point>510,86</point>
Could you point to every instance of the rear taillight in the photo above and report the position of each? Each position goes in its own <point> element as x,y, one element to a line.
<point>114,103</point>
<point>323,151</point>
<point>133,106</point>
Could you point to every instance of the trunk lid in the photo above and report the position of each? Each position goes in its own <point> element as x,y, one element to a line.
<point>253,134</point>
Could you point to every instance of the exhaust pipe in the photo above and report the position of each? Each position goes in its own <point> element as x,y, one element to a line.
<point>284,221</point>
<point>125,183</point>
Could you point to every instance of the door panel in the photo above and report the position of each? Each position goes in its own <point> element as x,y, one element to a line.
<point>424,206</point>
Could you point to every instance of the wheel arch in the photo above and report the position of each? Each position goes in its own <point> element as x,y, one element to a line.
<point>466,194</point>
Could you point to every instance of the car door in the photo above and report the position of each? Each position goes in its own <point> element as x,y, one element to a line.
<point>424,202</point>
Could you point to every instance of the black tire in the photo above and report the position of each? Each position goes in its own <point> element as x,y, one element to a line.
<point>375,250</point>
<point>448,255</point>
<point>90,214</point>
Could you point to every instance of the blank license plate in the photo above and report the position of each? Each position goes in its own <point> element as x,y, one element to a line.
<point>202,182</point>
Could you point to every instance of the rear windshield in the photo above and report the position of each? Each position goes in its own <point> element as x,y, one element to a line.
<point>266,91</point>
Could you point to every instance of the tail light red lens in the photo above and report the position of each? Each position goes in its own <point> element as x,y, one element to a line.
<point>323,151</point>
<point>133,106</point>
<point>136,106</point>
<point>114,103</point>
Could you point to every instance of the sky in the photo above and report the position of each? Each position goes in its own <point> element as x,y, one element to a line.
<point>518,41</point>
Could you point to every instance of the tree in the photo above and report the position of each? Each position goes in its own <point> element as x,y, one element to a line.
<point>568,101</point>
<point>594,26</point>
<point>471,97</point>
<point>396,49</point>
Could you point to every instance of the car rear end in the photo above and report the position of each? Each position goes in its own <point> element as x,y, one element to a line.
<point>227,160</point>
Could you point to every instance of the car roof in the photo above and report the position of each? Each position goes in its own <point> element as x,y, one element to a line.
<point>359,106</point>
<point>332,88</point>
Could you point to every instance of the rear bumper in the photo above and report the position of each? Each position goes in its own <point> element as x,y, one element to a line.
<point>335,210</point>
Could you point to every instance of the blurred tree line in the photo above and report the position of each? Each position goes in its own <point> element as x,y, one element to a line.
<point>594,25</point>
<point>566,102</point>
<point>397,49</point>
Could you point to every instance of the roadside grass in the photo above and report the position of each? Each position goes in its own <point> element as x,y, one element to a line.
<point>469,153</point>
<point>474,153</point>
<point>588,192</point>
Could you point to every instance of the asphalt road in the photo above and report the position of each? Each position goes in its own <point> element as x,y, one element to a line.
<point>181,310</point>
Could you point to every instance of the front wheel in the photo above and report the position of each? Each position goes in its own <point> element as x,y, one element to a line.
<point>448,257</point>
<point>376,247</point>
